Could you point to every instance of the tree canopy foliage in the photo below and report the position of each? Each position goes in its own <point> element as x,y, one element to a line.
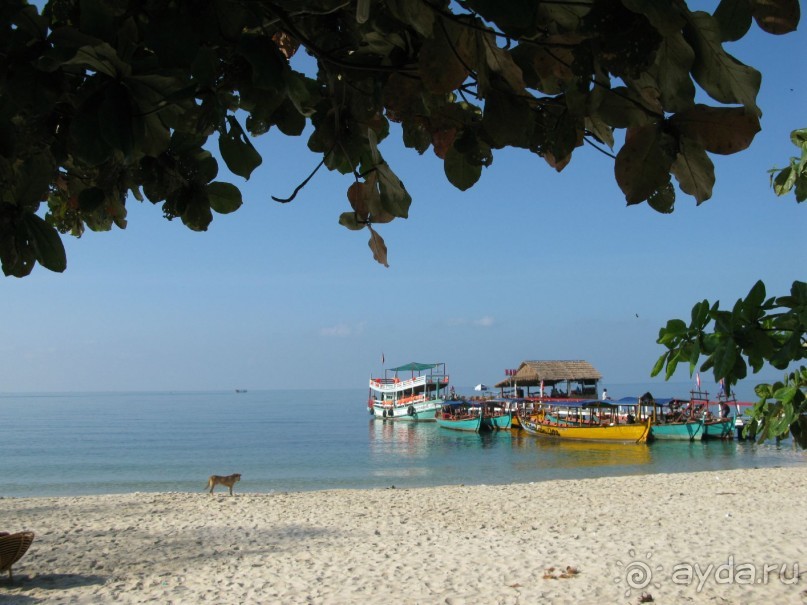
<point>105,99</point>
<point>757,331</point>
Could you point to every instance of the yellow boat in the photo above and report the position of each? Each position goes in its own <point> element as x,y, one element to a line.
<point>585,421</point>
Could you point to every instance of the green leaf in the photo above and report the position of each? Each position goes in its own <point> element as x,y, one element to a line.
<point>659,364</point>
<point>462,174</point>
<point>33,176</point>
<point>195,206</point>
<point>756,296</point>
<point>351,221</point>
<point>672,365</point>
<point>236,150</point>
<point>115,116</point>
<point>268,65</point>
<point>514,16</point>
<point>547,69</point>
<point>507,120</point>
<point>101,58</point>
<point>694,170</point>
<point>298,92</point>
<point>600,130</point>
<point>777,16</point>
<point>665,17</point>
<point>734,18</point>
<point>85,140</point>
<point>723,130</point>
<point>414,13</point>
<point>724,359</point>
<point>722,76</point>
<point>90,200</point>
<point>46,243</point>
<point>443,59</point>
<point>288,120</point>
<point>394,197</point>
<point>223,197</point>
<point>642,166</point>
<point>620,107</point>
<point>676,327</point>
<point>799,138</point>
<point>674,60</point>
<point>700,314</point>
<point>501,63</point>
<point>663,199</point>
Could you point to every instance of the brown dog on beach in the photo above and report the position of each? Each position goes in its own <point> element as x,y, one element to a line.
<point>229,481</point>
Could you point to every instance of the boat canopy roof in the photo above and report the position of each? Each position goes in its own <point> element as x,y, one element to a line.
<point>645,401</point>
<point>463,403</point>
<point>414,367</point>
<point>590,403</point>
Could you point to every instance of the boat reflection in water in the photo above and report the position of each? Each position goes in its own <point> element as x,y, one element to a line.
<point>417,454</point>
<point>399,451</point>
<point>402,440</point>
<point>573,454</point>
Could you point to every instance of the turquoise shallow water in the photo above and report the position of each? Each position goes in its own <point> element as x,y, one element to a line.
<point>72,444</point>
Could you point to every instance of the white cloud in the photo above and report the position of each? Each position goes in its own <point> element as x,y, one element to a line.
<point>342,330</point>
<point>484,322</point>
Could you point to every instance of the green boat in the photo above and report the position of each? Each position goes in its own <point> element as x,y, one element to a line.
<point>718,424</point>
<point>497,414</point>
<point>670,418</point>
<point>461,416</point>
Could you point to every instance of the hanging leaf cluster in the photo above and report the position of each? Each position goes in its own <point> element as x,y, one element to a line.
<point>794,176</point>
<point>758,330</point>
<point>102,101</point>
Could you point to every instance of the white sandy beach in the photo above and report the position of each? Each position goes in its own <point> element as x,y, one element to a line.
<point>710,537</point>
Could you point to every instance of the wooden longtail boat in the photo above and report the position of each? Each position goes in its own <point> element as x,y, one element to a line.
<point>719,425</point>
<point>460,416</point>
<point>670,418</point>
<point>497,414</point>
<point>592,420</point>
<point>474,416</point>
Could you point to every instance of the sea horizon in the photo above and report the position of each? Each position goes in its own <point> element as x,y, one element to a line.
<point>744,391</point>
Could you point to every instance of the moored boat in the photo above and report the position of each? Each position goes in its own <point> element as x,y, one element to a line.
<point>718,428</point>
<point>497,414</point>
<point>716,425</point>
<point>414,391</point>
<point>477,416</point>
<point>460,416</point>
<point>593,420</point>
<point>671,418</point>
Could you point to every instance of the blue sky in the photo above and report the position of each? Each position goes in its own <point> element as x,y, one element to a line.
<point>528,264</point>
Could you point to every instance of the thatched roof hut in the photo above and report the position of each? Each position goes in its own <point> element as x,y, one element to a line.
<point>532,373</point>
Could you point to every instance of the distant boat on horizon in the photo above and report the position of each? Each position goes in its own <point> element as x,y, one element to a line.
<point>240,390</point>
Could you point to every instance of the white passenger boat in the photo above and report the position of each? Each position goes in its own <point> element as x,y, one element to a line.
<point>414,391</point>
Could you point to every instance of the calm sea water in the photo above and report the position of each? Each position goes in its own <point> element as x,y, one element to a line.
<point>72,444</point>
